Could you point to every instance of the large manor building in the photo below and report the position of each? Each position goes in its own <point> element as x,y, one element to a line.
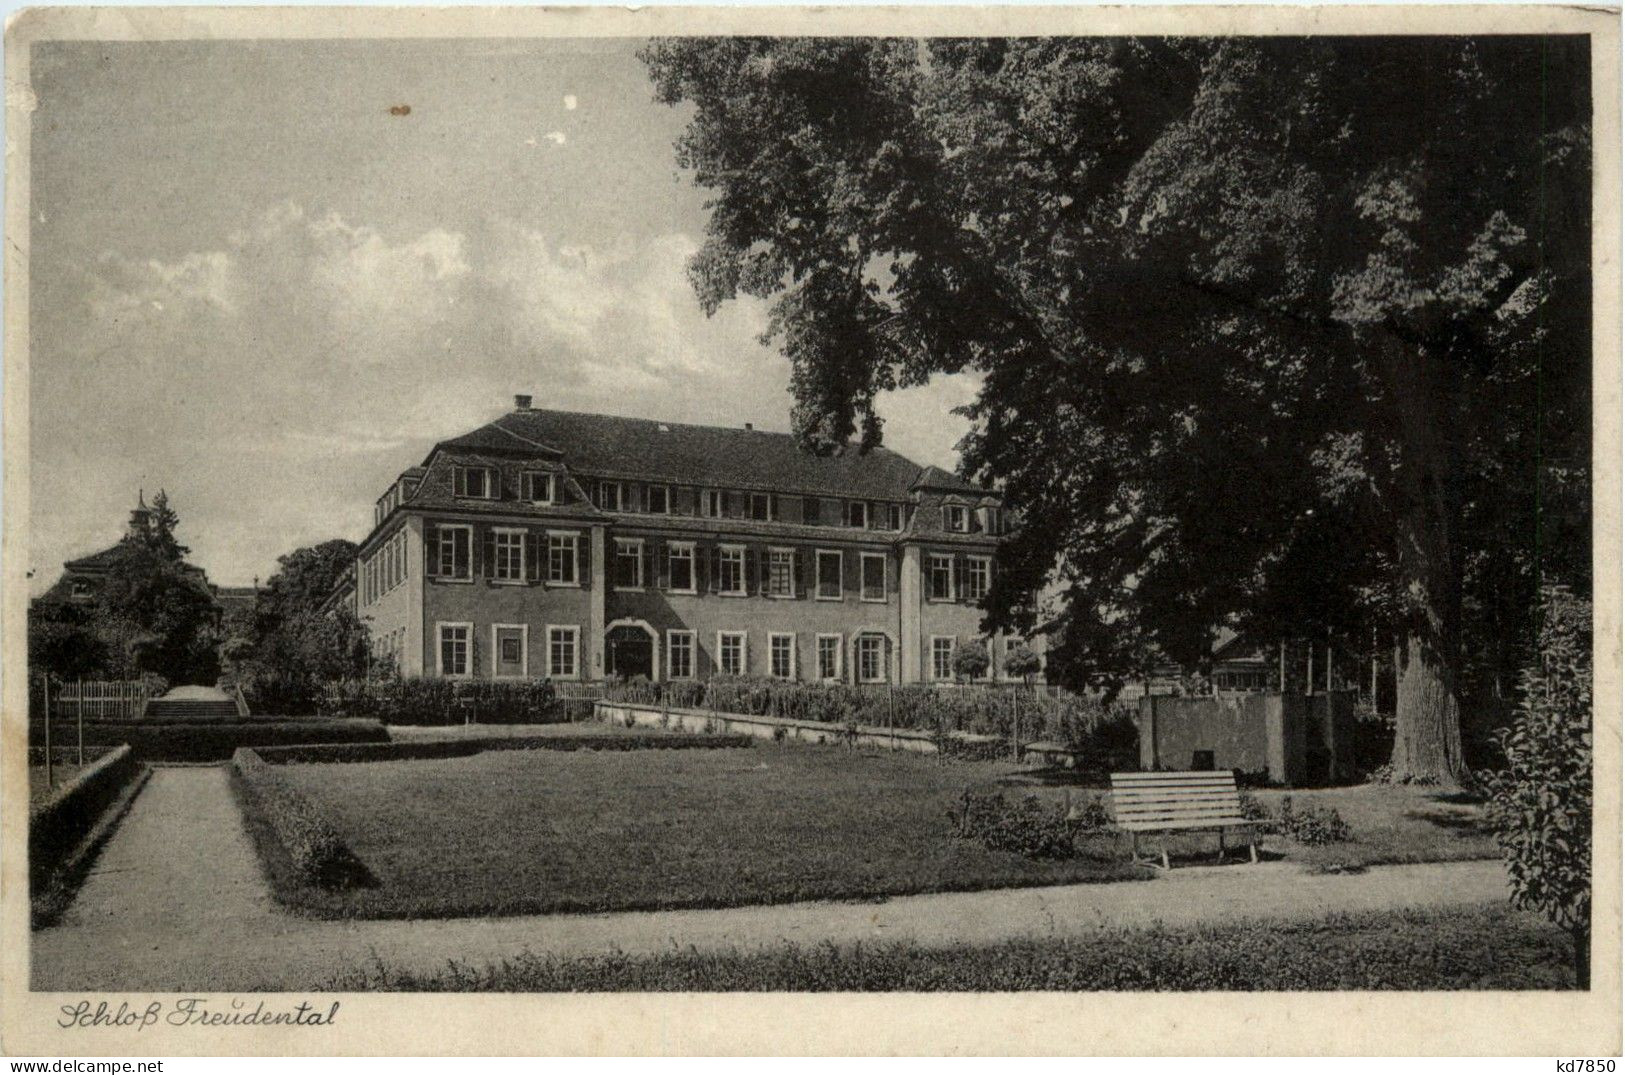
<point>579,546</point>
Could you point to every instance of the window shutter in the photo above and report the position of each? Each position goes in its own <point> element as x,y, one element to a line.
<point>961,573</point>
<point>584,559</point>
<point>431,552</point>
<point>488,551</point>
<point>648,562</point>
<point>798,583</point>
<point>663,559</point>
<point>535,549</point>
<point>715,556</point>
<point>751,573</point>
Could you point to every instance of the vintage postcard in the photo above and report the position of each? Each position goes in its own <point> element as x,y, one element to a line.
<point>847,530</point>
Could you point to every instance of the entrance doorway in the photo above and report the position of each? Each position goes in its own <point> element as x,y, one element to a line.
<point>629,651</point>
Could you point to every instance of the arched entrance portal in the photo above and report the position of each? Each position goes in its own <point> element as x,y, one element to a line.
<point>629,650</point>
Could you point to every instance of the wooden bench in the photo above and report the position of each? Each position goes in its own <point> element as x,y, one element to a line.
<point>1178,802</point>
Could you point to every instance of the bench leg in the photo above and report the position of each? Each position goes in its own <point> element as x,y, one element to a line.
<point>1253,847</point>
<point>1165,863</point>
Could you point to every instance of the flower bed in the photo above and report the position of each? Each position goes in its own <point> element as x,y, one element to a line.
<point>1084,724</point>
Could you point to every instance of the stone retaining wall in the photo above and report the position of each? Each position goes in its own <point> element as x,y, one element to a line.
<point>804,731</point>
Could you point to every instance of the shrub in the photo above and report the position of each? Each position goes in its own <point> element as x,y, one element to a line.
<point>1540,804</point>
<point>444,701</point>
<point>321,753</point>
<point>1026,827</point>
<point>1253,810</point>
<point>970,660</point>
<point>1314,825</point>
<point>302,839</point>
<point>59,826</point>
<point>218,741</point>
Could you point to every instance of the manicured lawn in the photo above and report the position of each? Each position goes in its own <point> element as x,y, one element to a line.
<point>1391,824</point>
<point>536,831</point>
<point>1474,948</point>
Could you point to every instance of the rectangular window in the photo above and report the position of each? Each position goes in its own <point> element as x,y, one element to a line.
<point>510,556</point>
<point>812,511</point>
<point>829,658</point>
<point>562,644</point>
<point>452,555</point>
<point>454,655</point>
<point>978,576</point>
<point>657,499</point>
<point>781,572</point>
<point>732,579</point>
<point>995,521</point>
<point>942,577</point>
<point>954,518</point>
<point>857,514</point>
<point>539,488</point>
<point>611,496</point>
<point>711,503</point>
<point>829,575</point>
<point>781,654</point>
<point>628,563</point>
<point>942,658</point>
<point>761,507</point>
<point>874,576</point>
<point>731,652</point>
<point>561,558</point>
<point>894,516</point>
<point>680,567</point>
<point>473,482</point>
<point>871,659</point>
<point>679,654</point>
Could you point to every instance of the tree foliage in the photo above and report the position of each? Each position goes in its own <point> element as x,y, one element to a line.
<point>1288,335</point>
<point>1540,803</point>
<point>288,648</point>
<point>971,661</point>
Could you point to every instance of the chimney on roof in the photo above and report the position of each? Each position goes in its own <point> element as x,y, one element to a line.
<point>521,403</point>
<point>749,427</point>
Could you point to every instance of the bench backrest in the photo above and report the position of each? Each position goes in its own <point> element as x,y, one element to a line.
<point>1174,800</point>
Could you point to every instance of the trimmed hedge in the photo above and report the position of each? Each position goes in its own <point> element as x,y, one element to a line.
<point>217,742</point>
<point>463,748</point>
<point>294,834</point>
<point>441,701</point>
<point>65,829</point>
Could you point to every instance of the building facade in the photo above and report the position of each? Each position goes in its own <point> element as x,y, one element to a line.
<point>577,546</point>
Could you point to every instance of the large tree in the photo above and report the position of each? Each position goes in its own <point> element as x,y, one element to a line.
<point>1286,334</point>
<point>289,638</point>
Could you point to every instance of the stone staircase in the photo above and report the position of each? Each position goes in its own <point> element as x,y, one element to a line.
<point>191,709</point>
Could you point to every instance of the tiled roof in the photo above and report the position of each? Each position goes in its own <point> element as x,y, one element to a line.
<point>603,445</point>
<point>96,560</point>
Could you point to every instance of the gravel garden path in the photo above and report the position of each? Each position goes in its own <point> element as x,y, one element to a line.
<point>176,902</point>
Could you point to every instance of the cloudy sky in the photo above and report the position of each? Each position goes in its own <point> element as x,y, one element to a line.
<point>269,276</point>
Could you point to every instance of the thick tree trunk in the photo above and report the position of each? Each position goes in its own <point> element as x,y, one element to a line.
<point>1427,716</point>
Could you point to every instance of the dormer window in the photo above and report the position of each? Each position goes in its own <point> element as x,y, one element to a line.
<point>761,507</point>
<point>894,516</point>
<point>657,499</point>
<point>955,519</point>
<point>475,482</point>
<point>857,514</point>
<point>539,487</point>
<point>711,503</point>
<point>611,496</point>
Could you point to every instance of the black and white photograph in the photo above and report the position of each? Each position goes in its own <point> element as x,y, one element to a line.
<point>913,508</point>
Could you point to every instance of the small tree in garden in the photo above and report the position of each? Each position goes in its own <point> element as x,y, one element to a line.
<point>1021,661</point>
<point>971,660</point>
<point>1540,804</point>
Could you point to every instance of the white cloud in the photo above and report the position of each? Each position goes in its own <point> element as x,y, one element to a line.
<point>570,102</point>
<point>557,137</point>
<point>276,381</point>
